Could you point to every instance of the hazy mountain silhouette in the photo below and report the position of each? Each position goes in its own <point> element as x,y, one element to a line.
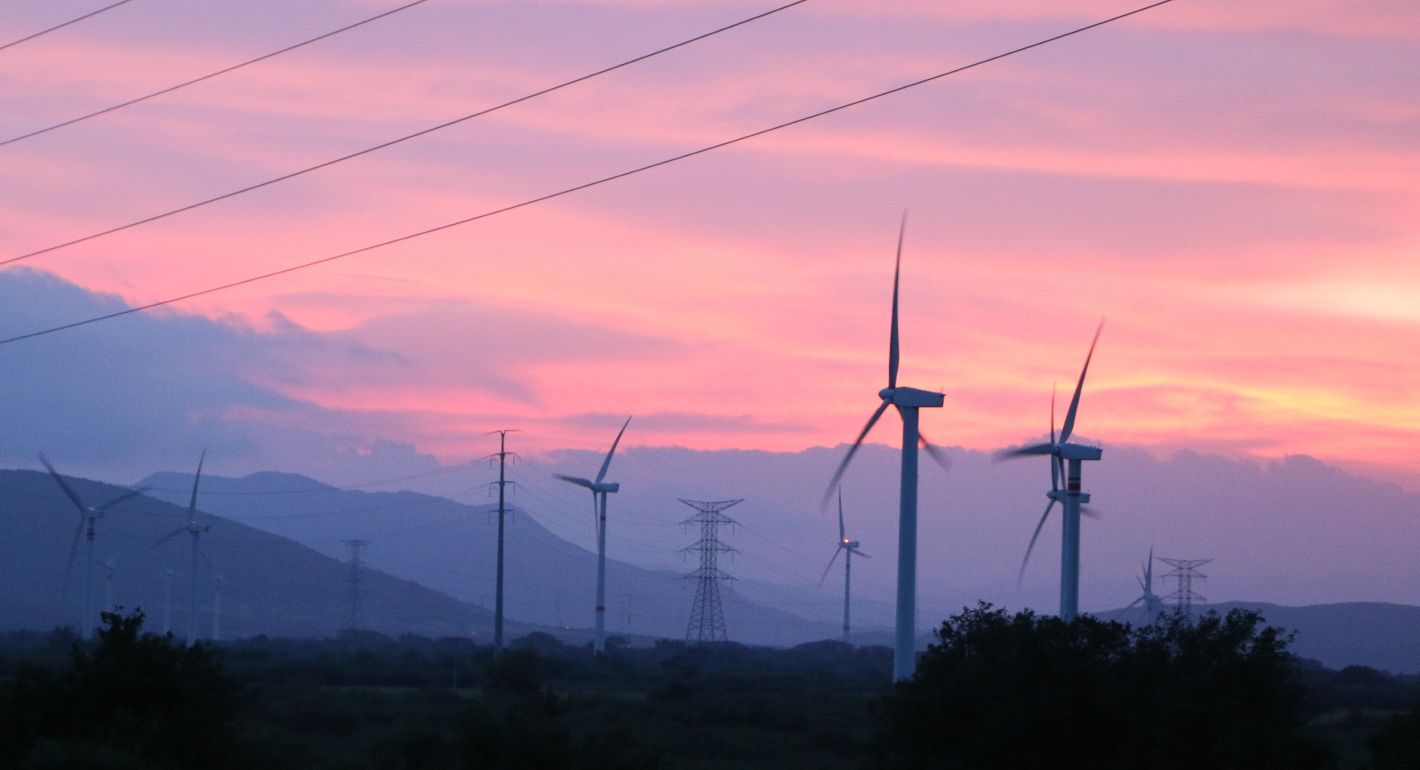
<point>451,546</point>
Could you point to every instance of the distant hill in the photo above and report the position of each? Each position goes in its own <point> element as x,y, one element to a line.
<point>1375,634</point>
<point>271,584</point>
<point>451,546</point>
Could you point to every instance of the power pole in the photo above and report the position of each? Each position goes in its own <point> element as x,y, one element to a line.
<point>707,615</point>
<point>357,614</point>
<point>502,456</point>
<point>1185,571</point>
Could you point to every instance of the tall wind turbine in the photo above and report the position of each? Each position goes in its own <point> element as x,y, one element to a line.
<point>1152,604</point>
<point>848,548</point>
<point>600,489</point>
<point>195,530</point>
<point>1065,460</point>
<point>88,517</point>
<point>907,401</point>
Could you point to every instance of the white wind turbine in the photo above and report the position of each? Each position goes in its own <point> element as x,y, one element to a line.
<point>600,489</point>
<point>1065,460</point>
<point>195,530</point>
<point>1152,604</point>
<point>848,548</point>
<point>88,517</point>
<point>907,401</point>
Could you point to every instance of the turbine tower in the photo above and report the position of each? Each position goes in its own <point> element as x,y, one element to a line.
<point>88,517</point>
<point>1152,605</point>
<point>600,489</point>
<point>195,531</point>
<point>907,401</point>
<point>848,548</point>
<point>1065,460</point>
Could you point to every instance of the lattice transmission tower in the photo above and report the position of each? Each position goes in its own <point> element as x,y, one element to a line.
<point>357,611</point>
<point>1185,571</point>
<point>707,615</point>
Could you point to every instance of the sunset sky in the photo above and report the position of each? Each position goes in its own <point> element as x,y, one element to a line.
<point>1234,187</point>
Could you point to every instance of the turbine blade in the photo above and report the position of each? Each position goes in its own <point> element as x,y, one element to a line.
<point>64,485</point>
<point>581,482</point>
<point>167,537</point>
<point>1140,581</point>
<point>843,466</point>
<point>857,552</point>
<point>938,455</point>
<point>192,506</point>
<point>1131,604</point>
<point>207,561</point>
<point>1054,386</point>
<point>893,347</point>
<point>123,497</point>
<point>841,536</point>
<point>601,474</point>
<point>1057,469</point>
<point>1022,573</point>
<point>1069,426</point>
<point>1022,451</point>
<point>830,564</point>
<point>69,569</point>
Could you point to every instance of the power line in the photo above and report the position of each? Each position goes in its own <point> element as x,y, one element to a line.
<point>209,75</point>
<point>392,142</point>
<point>541,198</point>
<point>74,20</point>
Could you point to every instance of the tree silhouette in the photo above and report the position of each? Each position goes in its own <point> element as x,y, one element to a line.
<point>1021,691</point>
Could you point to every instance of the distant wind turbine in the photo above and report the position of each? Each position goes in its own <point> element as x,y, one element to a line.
<point>195,530</point>
<point>88,517</point>
<point>1061,451</point>
<point>907,401</point>
<point>1152,604</point>
<point>600,489</point>
<point>848,548</point>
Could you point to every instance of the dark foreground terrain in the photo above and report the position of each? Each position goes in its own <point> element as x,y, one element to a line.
<point>999,690</point>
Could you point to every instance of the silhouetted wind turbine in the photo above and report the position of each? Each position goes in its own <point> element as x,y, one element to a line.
<point>88,517</point>
<point>600,489</point>
<point>1153,605</point>
<point>195,530</point>
<point>907,401</point>
<point>848,548</point>
<point>1064,454</point>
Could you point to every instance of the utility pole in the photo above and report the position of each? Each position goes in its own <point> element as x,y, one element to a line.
<point>502,456</point>
<point>1184,573</point>
<point>357,614</point>
<point>707,615</point>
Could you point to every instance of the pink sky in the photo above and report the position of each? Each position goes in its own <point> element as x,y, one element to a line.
<point>1234,188</point>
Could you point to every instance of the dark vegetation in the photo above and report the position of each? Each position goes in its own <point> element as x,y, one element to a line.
<point>998,690</point>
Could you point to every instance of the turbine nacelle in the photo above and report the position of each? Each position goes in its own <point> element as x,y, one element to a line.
<point>911,397</point>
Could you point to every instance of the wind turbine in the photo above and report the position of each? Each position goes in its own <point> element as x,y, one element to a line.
<point>848,547</point>
<point>1153,605</point>
<point>195,530</point>
<point>600,489</point>
<point>907,401</point>
<point>1065,460</point>
<point>88,517</point>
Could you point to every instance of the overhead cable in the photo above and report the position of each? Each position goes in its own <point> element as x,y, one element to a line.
<point>392,142</point>
<point>568,190</point>
<point>208,76</point>
<point>74,20</point>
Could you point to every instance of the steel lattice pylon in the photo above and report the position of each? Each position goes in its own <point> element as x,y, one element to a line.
<point>707,615</point>
<point>1185,571</point>
<point>357,609</point>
